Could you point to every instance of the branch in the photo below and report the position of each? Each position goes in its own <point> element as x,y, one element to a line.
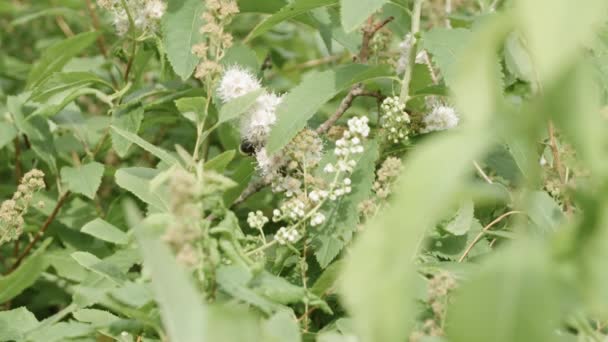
<point>40,233</point>
<point>356,91</point>
<point>485,229</point>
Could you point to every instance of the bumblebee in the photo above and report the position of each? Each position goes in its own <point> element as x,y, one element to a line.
<point>247,148</point>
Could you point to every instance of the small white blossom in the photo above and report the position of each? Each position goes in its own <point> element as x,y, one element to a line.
<point>236,82</point>
<point>347,181</point>
<point>284,236</point>
<point>314,196</point>
<point>317,219</point>
<point>329,168</point>
<point>439,119</point>
<point>358,125</point>
<point>256,220</point>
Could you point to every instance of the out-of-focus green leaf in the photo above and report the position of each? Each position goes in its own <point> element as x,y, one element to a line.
<point>544,211</point>
<point>83,179</point>
<point>282,327</point>
<point>382,309</point>
<point>355,12</point>
<point>15,323</point>
<point>8,132</point>
<point>56,57</point>
<point>220,162</point>
<point>183,313</point>
<point>181,26</point>
<point>463,220</point>
<point>515,297</point>
<point>291,10</point>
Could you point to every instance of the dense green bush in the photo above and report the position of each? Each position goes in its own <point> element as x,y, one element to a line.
<point>303,170</point>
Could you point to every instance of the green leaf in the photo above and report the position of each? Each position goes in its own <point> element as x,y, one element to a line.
<point>553,46</point>
<point>342,220</point>
<point>37,130</point>
<point>292,10</point>
<point>220,162</point>
<point>183,313</point>
<point>382,310</point>
<point>303,101</point>
<point>238,106</point>
<point>128,121</point>
<point>57,56</point>
<point>15,323</point>
<point>282,327</point>
<point>355,12</point>
<point>94,316</point>
<point>101,267</point>
<point>328,279</point>
<point>8,132</point>
<point>83,179</point>
<point>105,231</point>
<point>25,275</point>
<point>137,181</point>
<point>514,298</point>
<point>518,60</point>
<point>241,55</point>
<point>181,24</point>
<point>192,108</point>
<point>445,45</point>
<point>463,220</point>
<point>234,279</point>
<point>60,82</point>
<point>60,332</point>
<point>156,151</point>
<point>544,212</point>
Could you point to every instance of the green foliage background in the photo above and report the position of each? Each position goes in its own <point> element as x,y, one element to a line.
<point>526,244</point>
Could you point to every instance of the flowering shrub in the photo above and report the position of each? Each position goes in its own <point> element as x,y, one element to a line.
<point>303,170</point>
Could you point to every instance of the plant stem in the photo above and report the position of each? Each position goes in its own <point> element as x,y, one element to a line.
<point>404,96</point>
<point>486,228</point>
<point>40,233</point>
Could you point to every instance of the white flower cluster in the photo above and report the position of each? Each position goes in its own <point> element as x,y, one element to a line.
<point>348,145</point>
<point>284,236</point>
<point>256,220</point>
<point>405,47</point>
<point>13,210</point>
<point>146,14</point>
<point>293,209</point>
<point>256,123</point>
<point>439,119</point>
<point>395,119</point>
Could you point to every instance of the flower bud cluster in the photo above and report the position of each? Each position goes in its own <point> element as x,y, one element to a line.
<point>13,210</point>
<point>256,219</point>
<point>285,236</point>
<point>385,176</point>
<point>185,231</point>
<point>395,120</point>
<point>217,14</point>
<point>145,14</point>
